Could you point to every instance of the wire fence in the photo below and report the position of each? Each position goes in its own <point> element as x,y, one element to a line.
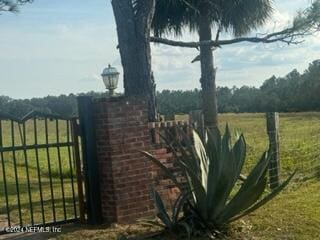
<point>299,141</point>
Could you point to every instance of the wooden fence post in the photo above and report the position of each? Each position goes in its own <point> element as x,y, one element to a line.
<point>273,134</point>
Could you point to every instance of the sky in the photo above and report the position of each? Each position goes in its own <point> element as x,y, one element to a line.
<point>54,47</point>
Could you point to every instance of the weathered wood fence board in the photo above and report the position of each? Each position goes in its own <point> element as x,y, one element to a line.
<point>274,149</point>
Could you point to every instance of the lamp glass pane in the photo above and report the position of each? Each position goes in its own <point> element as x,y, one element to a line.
<point>113,81</point>
<point>106,81</point>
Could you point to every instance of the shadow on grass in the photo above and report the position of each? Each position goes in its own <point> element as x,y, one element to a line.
<point>54,171</point>
<point>58,203</point>
<point>317,173</point>
<point>37,212</point>
<point>34,186</point>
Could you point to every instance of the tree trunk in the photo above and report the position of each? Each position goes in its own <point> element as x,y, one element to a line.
<point>208,74</point>
<point>133,28</point>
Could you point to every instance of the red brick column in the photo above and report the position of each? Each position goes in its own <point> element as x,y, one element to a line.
<point>121,131</point>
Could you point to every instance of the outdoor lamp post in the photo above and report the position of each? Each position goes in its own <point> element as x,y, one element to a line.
<point>110,77</point>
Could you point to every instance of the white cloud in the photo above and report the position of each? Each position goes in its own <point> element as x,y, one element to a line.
<point>278,21</point>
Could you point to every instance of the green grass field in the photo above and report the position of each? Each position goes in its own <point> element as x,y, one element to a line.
<point>293,215</point>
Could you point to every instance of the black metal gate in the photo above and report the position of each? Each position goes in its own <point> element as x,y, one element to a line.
<point>40,176</point>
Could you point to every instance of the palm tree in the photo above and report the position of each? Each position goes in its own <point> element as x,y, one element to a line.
<point>236,17</point>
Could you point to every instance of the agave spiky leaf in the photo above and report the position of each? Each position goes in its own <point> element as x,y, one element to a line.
<point>266,199</point>
<point>258,171</point>
<point>213,148</point>
<point>187,227</point>
<point>189,150</point>
<point>239,151</point>
<point>203,159</point>
<point>162,213</point>
<point>178,205</point>
<point>199,192</point>
<point>152,223</point>
<point>250,191</point>
<point>243,201</point>
<point>228,164</point>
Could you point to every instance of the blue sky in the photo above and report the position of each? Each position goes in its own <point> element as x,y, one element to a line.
<point>57,47</point>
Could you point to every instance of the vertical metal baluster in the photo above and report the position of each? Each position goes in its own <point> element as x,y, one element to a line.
<point>49,169</point>
<point>60,170</point>
<point>15,170</point>
<point>27,169</point>
<point>4,176</point>
<point>71,170</point>
<point>38,167</point>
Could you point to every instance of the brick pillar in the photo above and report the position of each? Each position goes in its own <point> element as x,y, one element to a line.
<point>121,131</point>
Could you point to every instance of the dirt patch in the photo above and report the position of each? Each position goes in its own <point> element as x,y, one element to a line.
<point>3,222</point>
<point>26,236</point>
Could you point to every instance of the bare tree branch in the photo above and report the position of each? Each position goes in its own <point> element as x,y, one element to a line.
<point>304,24</point>
<point>218,33</point>
<point>286,36</point>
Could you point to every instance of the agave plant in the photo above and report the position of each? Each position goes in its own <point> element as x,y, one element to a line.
<point>212,167</point>
<point>172,222</point>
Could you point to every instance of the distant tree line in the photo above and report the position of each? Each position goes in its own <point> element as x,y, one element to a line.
<point>63,105</point>
<point>294,92</point>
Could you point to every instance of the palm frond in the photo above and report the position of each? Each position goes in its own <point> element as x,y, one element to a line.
<point>238,17</point>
